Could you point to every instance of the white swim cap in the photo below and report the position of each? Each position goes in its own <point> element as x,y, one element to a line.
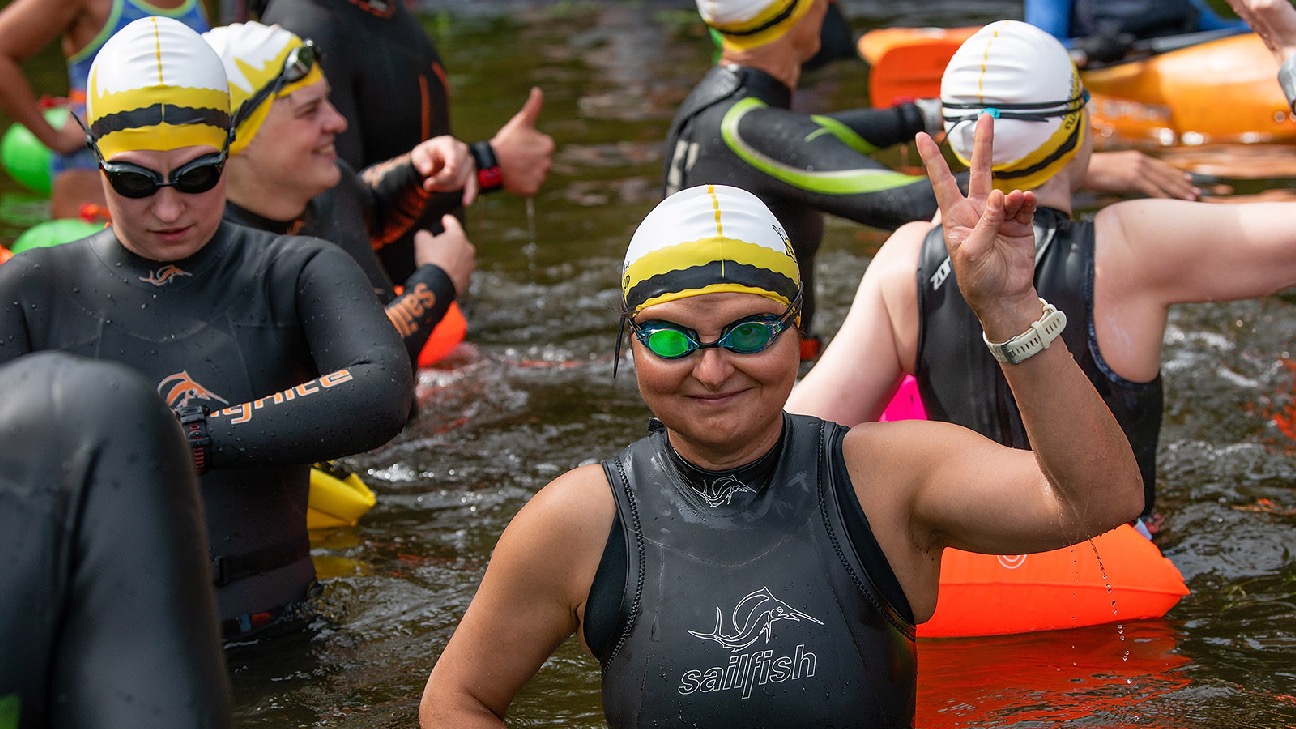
<point>705,240</point>
<point>155,85</point>
<point>1025,79</point>
<point>254,56</point>
<point>750,23</point>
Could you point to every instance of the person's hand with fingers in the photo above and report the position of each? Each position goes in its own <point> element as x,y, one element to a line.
<point>1132,171</point>
<point>524,152</point>
<point>446,165</point>
<point>1273,20</point>
<point>989,236</point>
<point>451,251</point>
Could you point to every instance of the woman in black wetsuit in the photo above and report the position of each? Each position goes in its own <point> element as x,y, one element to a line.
<point>108,618</point>
<point>742,567</point>
<point>272,349</point>
<point>284,178</point>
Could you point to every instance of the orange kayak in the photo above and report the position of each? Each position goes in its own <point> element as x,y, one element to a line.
<point>1219,91</point>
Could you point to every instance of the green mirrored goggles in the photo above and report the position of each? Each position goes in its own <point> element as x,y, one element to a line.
<point>748,335</point>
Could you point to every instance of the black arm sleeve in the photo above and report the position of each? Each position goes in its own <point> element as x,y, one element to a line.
<point>421,306</point>
<point>110,616</point>
<point>362,398</point>
<point>397,199</point>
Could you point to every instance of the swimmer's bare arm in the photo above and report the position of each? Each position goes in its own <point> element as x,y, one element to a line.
<point>859,371</point>
<point>531,599</point>
<point>1133,172</point>
<point>27,26</point>
<point>1273,20</point>
<point>932,485</point>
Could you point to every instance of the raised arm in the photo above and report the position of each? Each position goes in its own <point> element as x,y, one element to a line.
<point>948,486</point>
<point>26,26</point>
<point>1275,22</point>
<point>531,599</point>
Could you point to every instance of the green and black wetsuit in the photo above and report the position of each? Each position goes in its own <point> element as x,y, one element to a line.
<point>737,128</point>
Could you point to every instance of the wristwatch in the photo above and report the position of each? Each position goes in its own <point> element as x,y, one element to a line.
<point>1034,340</point>
<point>193,420</point>
<point>489,175</point>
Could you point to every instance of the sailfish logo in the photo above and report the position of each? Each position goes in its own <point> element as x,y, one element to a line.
<point>753,617</point>
<point>164,275</point>
<point>178,389</point>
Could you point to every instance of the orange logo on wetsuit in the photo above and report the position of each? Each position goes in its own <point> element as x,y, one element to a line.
<point>404,314</point>
<point>178,389</point>
<point>243,413</point>
<point>165,275</point>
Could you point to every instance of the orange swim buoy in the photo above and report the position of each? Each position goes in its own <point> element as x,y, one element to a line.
<point>1114,577</point>
<point>449,332</point>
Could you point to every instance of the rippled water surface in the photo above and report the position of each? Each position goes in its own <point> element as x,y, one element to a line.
<point>534,396</point>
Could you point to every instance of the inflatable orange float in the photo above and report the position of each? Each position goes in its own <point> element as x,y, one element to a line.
<point>1114,577</point>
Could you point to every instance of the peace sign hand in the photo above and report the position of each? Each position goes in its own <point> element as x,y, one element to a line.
<point>988,235</point>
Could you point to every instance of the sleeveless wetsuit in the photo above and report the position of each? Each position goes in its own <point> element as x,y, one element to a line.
<point>960,381</point>
<point>108,617</point>
<point>753,606</point>
<point>359,214</point>
<point>123,13</point>
<point>737,128</point>
<point>386,77</point>
<point>279,335</point>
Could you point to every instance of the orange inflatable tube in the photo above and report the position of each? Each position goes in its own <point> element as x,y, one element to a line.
<point>1114,577</point>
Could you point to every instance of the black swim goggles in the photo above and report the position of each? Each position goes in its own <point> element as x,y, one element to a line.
<point>1042,111</point>
<point>137,182</point>
<point>299,62</point>
<point>749,335</point>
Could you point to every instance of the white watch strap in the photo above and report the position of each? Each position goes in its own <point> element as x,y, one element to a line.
<point>1032,341</point>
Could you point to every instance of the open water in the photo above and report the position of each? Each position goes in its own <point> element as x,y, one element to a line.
<point>534,396</point>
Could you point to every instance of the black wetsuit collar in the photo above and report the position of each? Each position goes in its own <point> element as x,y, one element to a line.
<point>238,214</point>
<point>130,266</point>
<point>718,487</point>
<point>763,86</point>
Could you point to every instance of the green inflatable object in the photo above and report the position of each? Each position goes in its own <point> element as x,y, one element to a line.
<point>54,232</point>
<point>26,158</point>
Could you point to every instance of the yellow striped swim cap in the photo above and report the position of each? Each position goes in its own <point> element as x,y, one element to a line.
<point>254,56</point>
<point>155,85</point>
<point>744,24</point>
<point>705,240</point>
<point>1025,78</point>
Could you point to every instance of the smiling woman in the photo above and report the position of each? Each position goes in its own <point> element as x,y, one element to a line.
<point>735,523</point>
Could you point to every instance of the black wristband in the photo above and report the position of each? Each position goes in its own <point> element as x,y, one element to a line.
<point>193,420</point>
<point>1287,80</point>
<point>489,175</point>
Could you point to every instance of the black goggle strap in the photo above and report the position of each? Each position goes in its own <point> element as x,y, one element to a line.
<point>1041,111</point>
<point>297,64</point>
<point>93,145</point>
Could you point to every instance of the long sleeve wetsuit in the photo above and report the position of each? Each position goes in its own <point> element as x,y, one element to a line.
<point>363,212</point>
<point>106,611</point>
<point>280,336</point>
<point>737,128</point>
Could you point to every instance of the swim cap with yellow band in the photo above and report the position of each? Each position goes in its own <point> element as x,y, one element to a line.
<point>155,85</point>
<point>705,240</point>
<point>254,56</point>
<point>1024,78</point>
<point>744,24</point>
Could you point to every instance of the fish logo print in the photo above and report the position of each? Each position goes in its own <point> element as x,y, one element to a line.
<point>164,275</point>
<point>178,389</point>
<point>753,618</point>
